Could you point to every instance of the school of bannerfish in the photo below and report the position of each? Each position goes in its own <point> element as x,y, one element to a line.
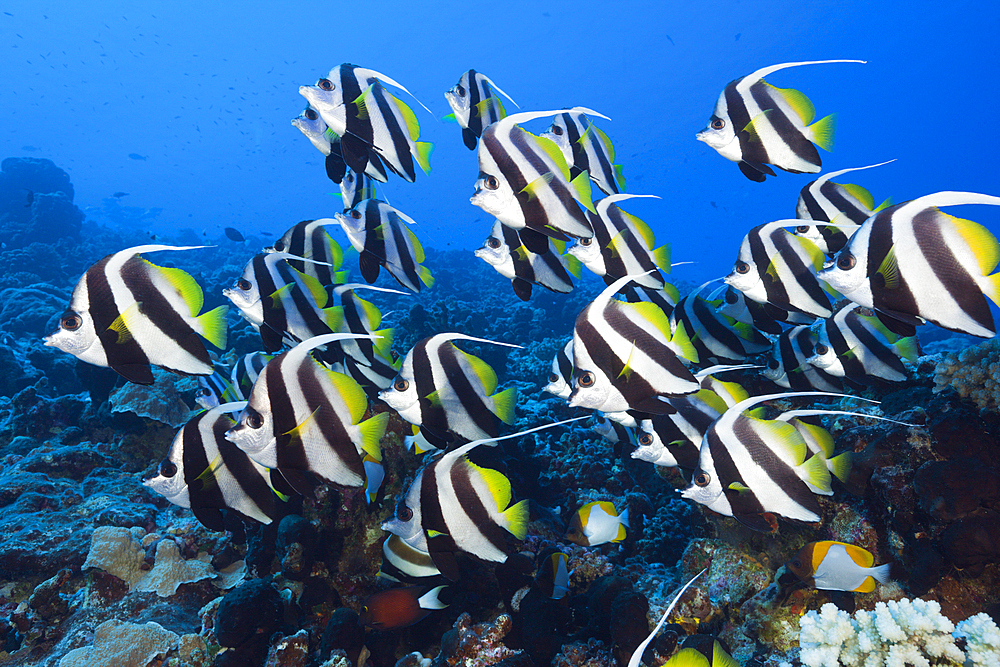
<point>301,411</point>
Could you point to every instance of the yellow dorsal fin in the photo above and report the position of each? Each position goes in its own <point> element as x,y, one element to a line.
<point>796,99</point>
<point>603,138</point>
<point>369,311</point>
<point>815,255</point>
<point>782,436</point>
<point>711,399</point>
<point>687,657</point>
<point>409,118</point>
<point>818,435</point>
<point>821,132</point>
<point>555,153</point>
<point>487,376</point>
<point>183,283</point>
<point>860,194</point>
<point>980,240</point>
<point>889,269</point>
<point>884,205</point>
<point>862,557</point>
<point>351,393</point>
<point>619,177</point>
<point>503,405</point>
<point>496,482</point>
<point>681,343</point>
<point>641,228</point>
<point>581,189</point>
<point>334,318</point>
<point>418,248</point>
<point>651,313</point>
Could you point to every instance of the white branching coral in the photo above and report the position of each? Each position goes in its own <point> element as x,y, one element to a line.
<point>896,634</point>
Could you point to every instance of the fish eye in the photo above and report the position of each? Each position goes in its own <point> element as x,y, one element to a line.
<point>731,297</point>
<point>702,479</point>
<point>311,114</point>
<point>404,513</point>
<point>821,349</point>
<point>279,245</point>
<point>71,322</point>
<point>718,124</point>
<point>492,182</point>
<point>773,364</point>
<point>254,419</point>
<point>846,261</point>
<point>349,178</point>
<point>587,380</point>
<point>355,214</point>
<point>796,563</point>
<point>742,267</point>
<point>553,378</point>
<point>586,243</point>
<point>326,84</point>
<point>493,242</point>
<point>168,468</point>
<point>556,130</point>
<point>243,284</point>
<point>802,229</point>
<point>401,385</point>
<point>204,391</point>
<point>646,439</point>
<point>460,89</point>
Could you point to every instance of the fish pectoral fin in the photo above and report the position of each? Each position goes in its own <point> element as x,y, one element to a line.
<point>120,323</point>
<point>275,298</point>
<point>756,123</point>
<point>295,433</point>
<point>626,370</point>
<point>888,270</point>
<point>531,189</point>
<point>739,487</point>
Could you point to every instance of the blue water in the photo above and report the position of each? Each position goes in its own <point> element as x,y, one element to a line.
<point>200,95</point>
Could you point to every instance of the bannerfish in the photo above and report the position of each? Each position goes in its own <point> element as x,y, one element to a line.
<point>715,336</point>
<point>312,125</point>
<point>207,474</point>
<point>774,266</point>
<point>789,365</point>
<point>302,418</point>
<point>755,469</point>
<point>836,566</point>
<point>309,240</point>
<point>587,149</point>
<point>819,441</point>
<point>474,105</point>
<point>847,205</point>
<point>764,317</point>
<point>355,188</point>
<point>358,316</point>
<point>506,252</point>
<point>912,263</point>
<point>355,104</point>
<point>855,345</point>
<point>403,563</point>
<point>286,306</point>
<point>552,575</point>
<point>596,523</point>
<point>234,235</point>
<point>626,357</point>
<point>216,389</point>
<point>524,181</point>
<point>561,375</point>
<point>755,124</point>
<point>245,372</point>
<point>128,313</point>
<point>622,245</point>
<point>665,298</point>
<point>449,392</point>
<point>399,607</point>
<point>377,232</point>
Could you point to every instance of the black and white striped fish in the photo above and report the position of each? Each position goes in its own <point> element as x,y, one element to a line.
<point>764,317</point>
<point>755,124</point>
<point>626,357</point>
<point>377,231</point>
<point>561,375</point>
<point>325,140</point>
<point>450,393</point>
<point>128,313</point>
<point>853,344</point>
<point>475,106</point>
<point>355,188</point>
<point>789,363</point>
<point>774,266</point>
<point>216,389</point>
<point>665,298</point>
<point>912,263</point>
<point>505,250</point>
<point>367,360</point>
<point>303,418</point>
<point>847,205</point>
<point>622,245</point>
<point>588,149</point>
<point>208,474</point>
<point>286,306</point>
<point>245,372</point>
<point>309,240</point>
<point>715,336</point>
<point>524,181</point>
<point>454,505</point>
<point>355,104</point>
<point>402,563</point>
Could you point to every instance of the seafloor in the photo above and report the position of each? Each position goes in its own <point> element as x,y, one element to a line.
<point>76,443</point>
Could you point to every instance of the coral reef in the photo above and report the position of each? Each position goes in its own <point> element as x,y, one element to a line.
<point>974,373</point>
<point>117,643</point>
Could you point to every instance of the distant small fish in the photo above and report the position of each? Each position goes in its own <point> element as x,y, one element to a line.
<point>234,235</point>
<point>475,106</point>
<point>561,374</point>
<point>30,199</point>
<point>31,149</point>
<point>597,523</point>
<point>119,195</point>
<point>136,156</point>
<point>506,251</point>
<point>587,148</point>
<point>552,576</point>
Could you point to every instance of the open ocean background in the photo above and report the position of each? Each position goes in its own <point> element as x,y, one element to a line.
<point>186,106</point>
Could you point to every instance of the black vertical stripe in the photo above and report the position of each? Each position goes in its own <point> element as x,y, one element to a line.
<point>422,358</point>
<point>400,135</point>
<point>431,512</point>
<point>739,117</point>
<point>472,505</point>
<point>204,492</point>
<point>464,390</point>
<point>239,466</point>
<point>783,125</point>
<point>283,415</point>
<point>773,466</point>
<point>331,429</point>
<point>476,89</point>
<point>872,344</point>
<point>274,315</point>
<point>401,256</point>
<point>837,196</point>
<point>104,311</point>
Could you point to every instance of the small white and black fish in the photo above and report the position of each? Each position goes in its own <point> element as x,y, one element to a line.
<point>856,346</point>
<point>450,393</point>
<point>245,372</point>
<point>286,306</point>
<point>756,124</point>
<point>309,240</point>
<point>622,245</point>
<point>367,360</point>
<point>774,266</point>
<point>847,205</point>
<point>128,313</point>
<point>506,252</point>
<point>216,389</point>
<point>208,474</point>
<point>474,105</point>
<point>303,418</point>
<point>789,363</point>
<point>312,125</point>
<point>587,149</point>
<point>715,336</point>
<point>403,563</point>
<point>764,317</point>
<point>561,375</point>
<point>625,356</point>
<point>355,105</point>
<point>377,231</point>
<point>665,298</point>
<point>912,263</point>
<point>524,181</point>
<point>355,188</point>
